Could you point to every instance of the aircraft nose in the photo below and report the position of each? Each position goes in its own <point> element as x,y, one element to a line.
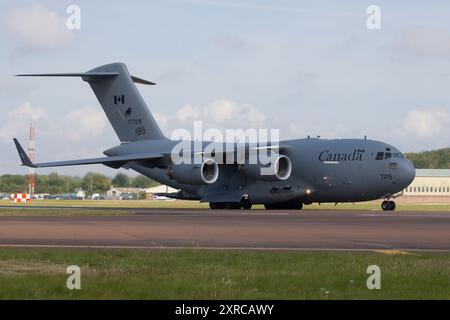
<point>408,173</point>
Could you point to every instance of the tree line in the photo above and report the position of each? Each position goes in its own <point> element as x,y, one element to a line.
<point>54,183</point>
<point>434,159</point>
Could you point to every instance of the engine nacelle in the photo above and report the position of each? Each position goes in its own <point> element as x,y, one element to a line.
<point>197,174</point>
<point>279,168</point>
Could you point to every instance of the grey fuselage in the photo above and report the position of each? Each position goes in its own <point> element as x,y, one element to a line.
<point>337,170</point>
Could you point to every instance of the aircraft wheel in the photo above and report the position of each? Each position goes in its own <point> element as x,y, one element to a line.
<point>291,205</point>
<point>388,205</point>
<point>246,205</point>
<point>216,205</point>
<point>294,206</point>
<point>392,205</point>
<point>233,206</point>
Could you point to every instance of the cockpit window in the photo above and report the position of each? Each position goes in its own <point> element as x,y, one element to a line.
<point>387,155</point>
<point>380,156</point>
<point>398,155</point>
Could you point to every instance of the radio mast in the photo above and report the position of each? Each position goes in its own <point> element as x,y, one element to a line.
<point>31,151</point>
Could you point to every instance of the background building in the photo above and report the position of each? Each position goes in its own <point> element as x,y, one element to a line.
<point>429,185</point>
<point>158,189</point>
<point>123,193</point>
<point>137,193</point>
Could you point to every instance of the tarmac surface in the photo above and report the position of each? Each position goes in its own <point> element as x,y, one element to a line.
<point>254,229</point>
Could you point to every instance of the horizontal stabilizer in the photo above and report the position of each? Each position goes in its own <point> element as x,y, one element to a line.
<point>142,81</point>
<point>86,76</point>
<point>75,74</point>
<point>113,161</point>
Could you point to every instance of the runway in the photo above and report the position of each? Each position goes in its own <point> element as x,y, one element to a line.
<point>254,229</point>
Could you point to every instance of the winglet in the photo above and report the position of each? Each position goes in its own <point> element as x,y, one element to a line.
<point>23,155</point>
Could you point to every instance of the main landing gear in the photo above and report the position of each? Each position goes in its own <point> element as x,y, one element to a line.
<point>388,205</point>
<point>243,204</point>
<point>230,205</point>
<point>288,205</point>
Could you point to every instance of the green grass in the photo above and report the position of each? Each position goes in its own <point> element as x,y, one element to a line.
<point>61,212</point>
<point>215,274</point>
<point>110,203</point>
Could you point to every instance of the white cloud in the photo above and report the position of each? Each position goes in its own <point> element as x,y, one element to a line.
<point>38,28</point>
<point>17,121</point>
<point>85,122</point>
<point>26,110</point>
<point>161,119</point>
<point>427,123</point>
<point>187,113</point>
<point>220,114</point>
<point>225,110</point>
<point>225,114</point>
<point>78,125</point>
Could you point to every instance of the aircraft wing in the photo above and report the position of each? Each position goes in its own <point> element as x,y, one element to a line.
<point>113,161</point>
<point>235,149</point>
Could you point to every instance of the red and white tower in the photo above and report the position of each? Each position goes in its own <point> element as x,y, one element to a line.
<point>31,151</point>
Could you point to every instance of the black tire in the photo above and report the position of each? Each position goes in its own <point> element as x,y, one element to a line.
<point>293,205</point>
<point>233,206</point>
<point>212,205</point>
<point>388,205</point>
<point>290,205</point>
<point>392,205</point>
<point>217,205</point>
<point>246,205</point>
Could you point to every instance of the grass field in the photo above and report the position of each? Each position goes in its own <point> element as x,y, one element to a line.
<point>61,212</point>
<point>372,205</point>
<point>192,274</point>
<point>214,274</point>
<point>111,203</point>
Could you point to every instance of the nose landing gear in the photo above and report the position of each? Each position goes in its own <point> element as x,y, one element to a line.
<point>388,205</point>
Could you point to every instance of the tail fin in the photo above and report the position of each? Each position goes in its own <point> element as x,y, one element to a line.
<point>121,101</point>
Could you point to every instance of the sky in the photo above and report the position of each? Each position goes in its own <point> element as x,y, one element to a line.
<point>305,68</point>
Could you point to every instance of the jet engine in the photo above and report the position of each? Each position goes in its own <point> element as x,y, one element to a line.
<point>279,168</point>
<point>205,173</point>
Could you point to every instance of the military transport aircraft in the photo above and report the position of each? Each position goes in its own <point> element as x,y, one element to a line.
<point>298,172</point>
